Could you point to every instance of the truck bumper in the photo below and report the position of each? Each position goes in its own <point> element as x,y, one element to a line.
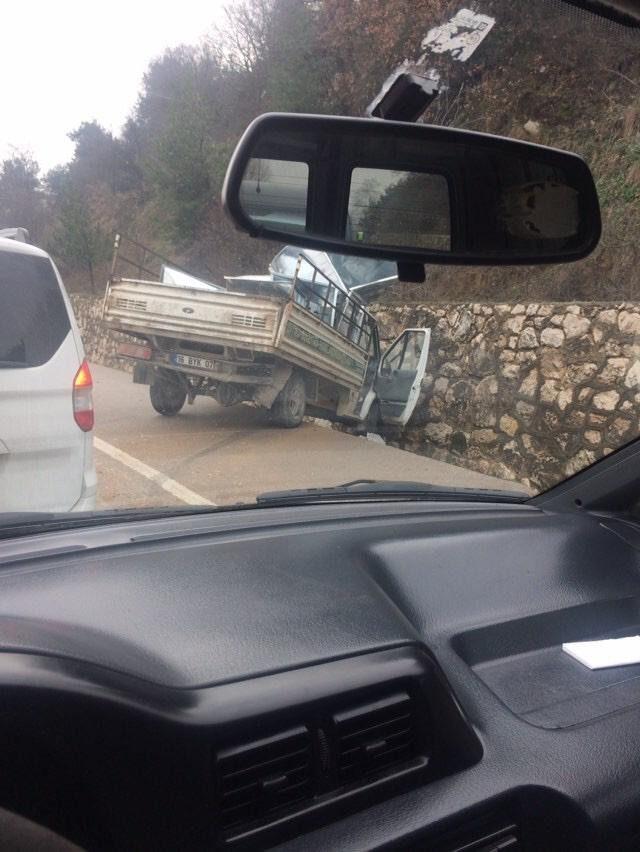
<point>227,371</point>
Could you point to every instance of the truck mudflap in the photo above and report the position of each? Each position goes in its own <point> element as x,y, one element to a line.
<point>265,395</point>
<point>142,374</point>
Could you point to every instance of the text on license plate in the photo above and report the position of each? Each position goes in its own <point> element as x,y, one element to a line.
<point>190,361</point>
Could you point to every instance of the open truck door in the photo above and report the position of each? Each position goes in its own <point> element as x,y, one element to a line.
<point>400,373</point>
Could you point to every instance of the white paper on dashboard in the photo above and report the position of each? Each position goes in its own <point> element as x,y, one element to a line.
<point>605,653</point>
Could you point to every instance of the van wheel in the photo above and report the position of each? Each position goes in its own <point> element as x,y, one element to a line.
<point>288,409</point>
<point>167,396</point>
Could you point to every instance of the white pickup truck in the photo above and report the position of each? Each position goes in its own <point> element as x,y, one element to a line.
<point>295,341</point>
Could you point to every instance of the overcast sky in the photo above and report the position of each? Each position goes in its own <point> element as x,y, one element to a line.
<point>63,62</point>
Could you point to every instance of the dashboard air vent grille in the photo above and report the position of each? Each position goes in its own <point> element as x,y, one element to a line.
<point>263,776</point>
<point>335,752</point>
<point>372,738</point>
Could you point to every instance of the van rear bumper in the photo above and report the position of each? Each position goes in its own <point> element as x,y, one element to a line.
<point>87,501</point>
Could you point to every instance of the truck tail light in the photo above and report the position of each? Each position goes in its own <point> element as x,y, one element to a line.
<point>83,398</point>
<point>134,350</point>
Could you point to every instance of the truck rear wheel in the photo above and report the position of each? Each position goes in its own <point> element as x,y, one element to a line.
<point>288,409</point>
<point>167,396</point>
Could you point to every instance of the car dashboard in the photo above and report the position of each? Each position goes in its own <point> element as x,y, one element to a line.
<point>341,676</point>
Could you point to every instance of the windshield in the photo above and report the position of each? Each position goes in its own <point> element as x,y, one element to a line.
<point>176,361</point>
<point>356,271</point>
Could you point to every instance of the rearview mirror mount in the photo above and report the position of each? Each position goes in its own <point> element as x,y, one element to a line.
<point>411,193</point>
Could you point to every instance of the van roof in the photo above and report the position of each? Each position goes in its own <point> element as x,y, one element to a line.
<point>21,248</point>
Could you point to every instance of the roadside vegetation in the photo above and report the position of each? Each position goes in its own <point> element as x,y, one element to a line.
<point>541,75</point>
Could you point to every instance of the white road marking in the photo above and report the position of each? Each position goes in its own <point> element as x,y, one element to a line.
<point>170,485</point>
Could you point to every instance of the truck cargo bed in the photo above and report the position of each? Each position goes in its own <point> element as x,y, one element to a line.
<point>146,308</point>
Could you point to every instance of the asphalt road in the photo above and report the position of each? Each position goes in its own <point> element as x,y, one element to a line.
<point>219,455</point>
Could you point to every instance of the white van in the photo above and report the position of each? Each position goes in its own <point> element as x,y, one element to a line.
<point>46,407</point>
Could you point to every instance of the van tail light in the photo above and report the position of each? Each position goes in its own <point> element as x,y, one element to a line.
<point>83,398</point>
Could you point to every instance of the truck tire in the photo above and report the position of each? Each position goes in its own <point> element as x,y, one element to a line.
<point>288,409</point>
<point>167,396</point>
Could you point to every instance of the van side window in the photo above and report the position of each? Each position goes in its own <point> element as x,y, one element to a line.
<point>33,316</point>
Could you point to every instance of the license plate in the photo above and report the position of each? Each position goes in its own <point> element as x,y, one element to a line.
<point>189,361</point>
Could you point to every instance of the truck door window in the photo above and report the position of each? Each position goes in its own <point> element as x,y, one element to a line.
<point>394,356</point>
<point>412,352</point>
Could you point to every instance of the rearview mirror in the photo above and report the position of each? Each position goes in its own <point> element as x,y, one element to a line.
<point>410,192</point>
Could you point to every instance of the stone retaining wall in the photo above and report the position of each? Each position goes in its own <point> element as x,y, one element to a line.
<point>100,344</point>
<point>531,392</point>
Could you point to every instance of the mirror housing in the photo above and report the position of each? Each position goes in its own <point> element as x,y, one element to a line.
<point>411,193</point>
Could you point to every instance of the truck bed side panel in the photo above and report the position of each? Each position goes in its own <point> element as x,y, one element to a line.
<point>305,340</point>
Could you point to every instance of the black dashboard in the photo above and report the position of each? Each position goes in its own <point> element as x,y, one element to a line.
<point>348,677</point>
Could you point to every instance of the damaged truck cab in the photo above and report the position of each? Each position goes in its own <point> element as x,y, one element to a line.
<point>296,341</point>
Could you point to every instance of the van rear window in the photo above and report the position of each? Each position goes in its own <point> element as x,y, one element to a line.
<point>33,316</point>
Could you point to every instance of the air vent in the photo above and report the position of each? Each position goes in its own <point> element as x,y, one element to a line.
<point>358,751</point>
<point>265,776</point>
<point>130,304</point>
<point>493,834</point>
<point>502,840</point>
<point>248,320</point>
<point>376,737</point>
